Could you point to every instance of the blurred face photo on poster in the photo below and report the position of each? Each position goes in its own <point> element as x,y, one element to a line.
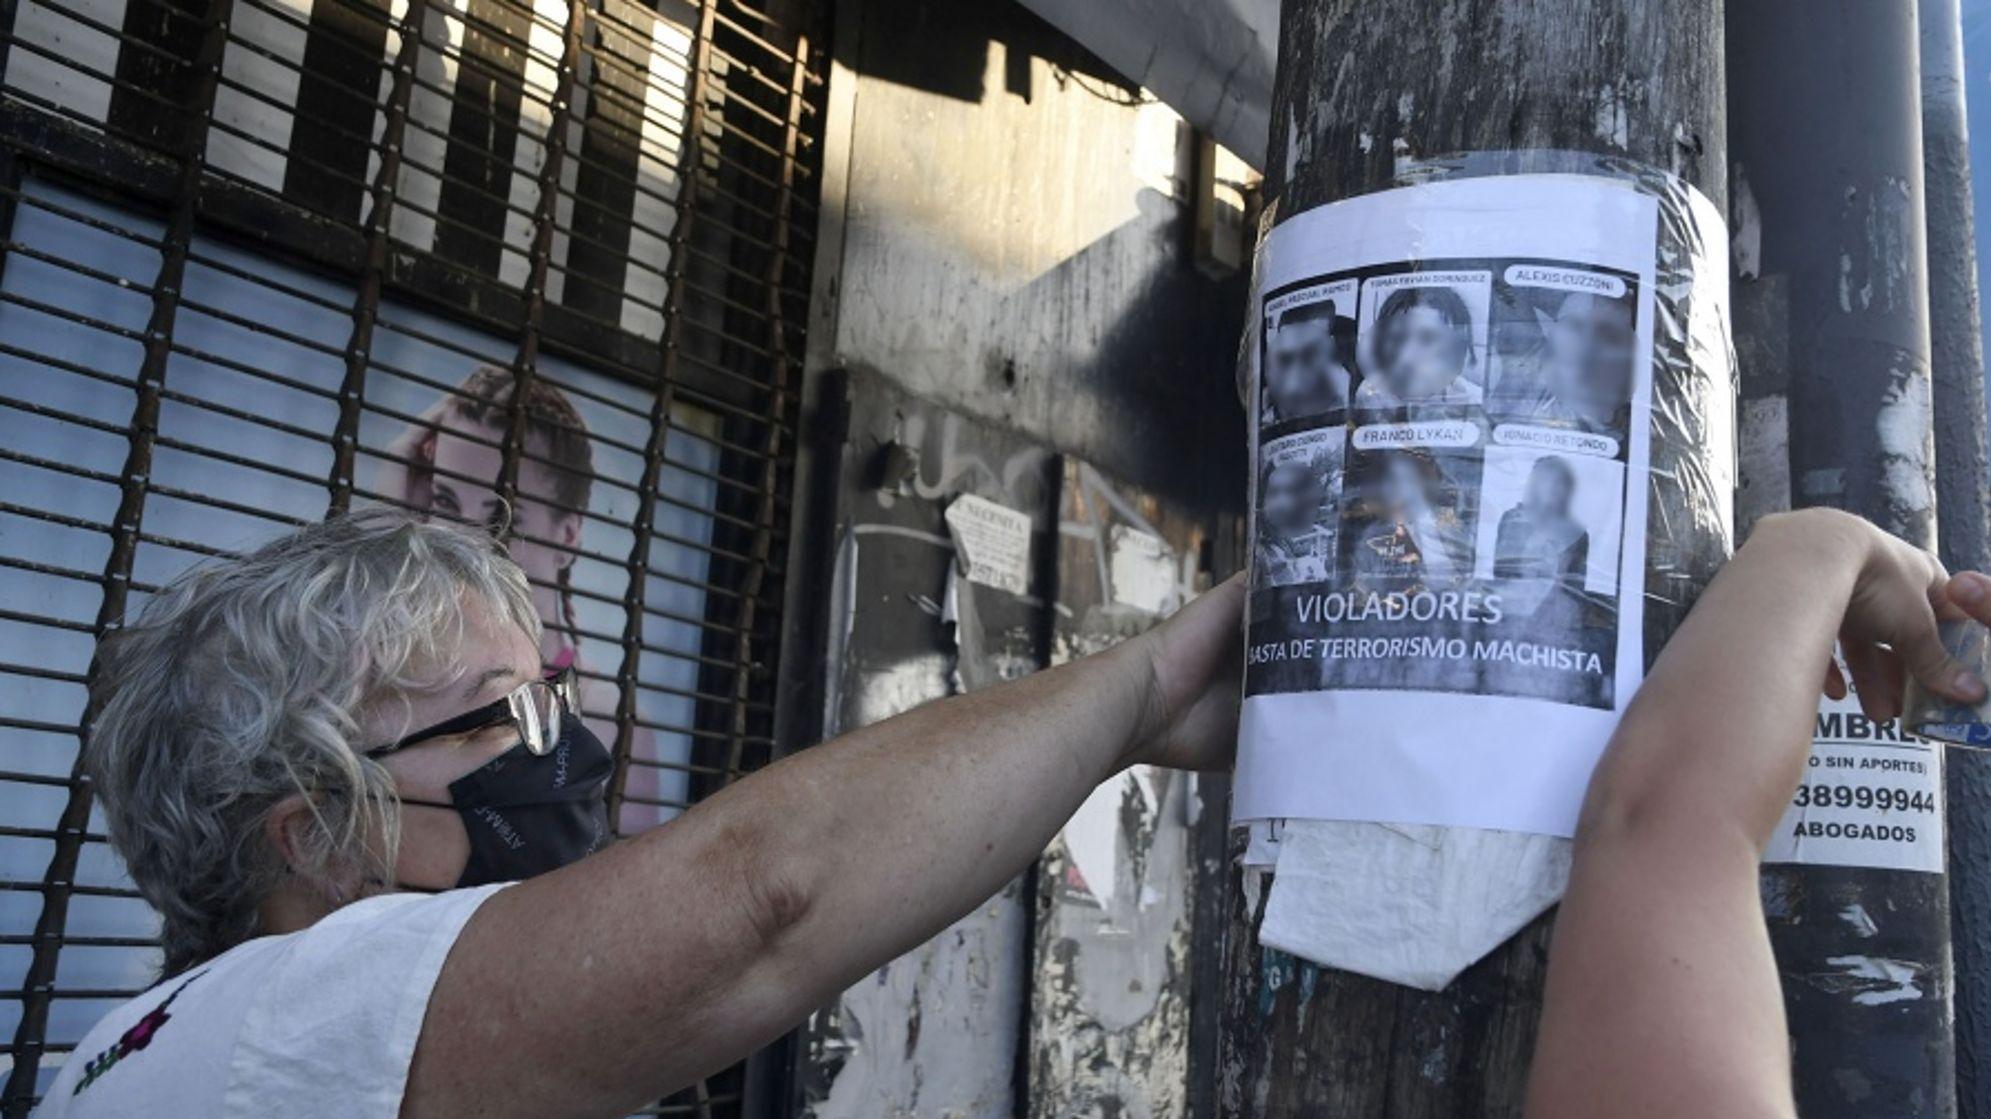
<point>1539,537</point>
<point>1568,358</point>
<point>1550,525</point>
<point>1309,357</point>
<point>1309,373</point>
<point>1297,518</point>
<point>1411,526</point>
<point>1424,341</point>
<point>1590,345</point>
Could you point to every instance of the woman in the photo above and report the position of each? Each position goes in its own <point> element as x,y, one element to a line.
<point>1663,998</point>
<point>285,735</point>
<point>298,746</point>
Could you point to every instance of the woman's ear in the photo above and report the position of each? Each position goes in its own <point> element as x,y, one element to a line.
<point>293,830</point>
<point>568,532</point>
<point>287,829</point>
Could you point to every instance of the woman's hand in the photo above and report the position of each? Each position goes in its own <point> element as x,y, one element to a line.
<point>1195,669</point>
<point>1889,632</point>
<point>1663,997</point>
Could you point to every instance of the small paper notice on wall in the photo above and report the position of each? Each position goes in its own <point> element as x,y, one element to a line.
<point>993,542</point>
<point>1872,796</point>
<point>1143,571</point>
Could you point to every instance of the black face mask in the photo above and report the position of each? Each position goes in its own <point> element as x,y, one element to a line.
<point>527,813</point>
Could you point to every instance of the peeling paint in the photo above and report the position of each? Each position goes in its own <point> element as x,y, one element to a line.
<point>1745,244</point>
<point>1876,232</point>
<point>899,1051</point>
<point>1765,469</point>
<point>908,630</point>
<point>1874,980</point>
<point>1110,1000</point>
<point>1613,123</point>
<point>1905,439</point>
<point>1863,925</point>
<point>1111,982</point>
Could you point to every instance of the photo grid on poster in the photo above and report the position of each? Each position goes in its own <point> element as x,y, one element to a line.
<point>1442,478</point>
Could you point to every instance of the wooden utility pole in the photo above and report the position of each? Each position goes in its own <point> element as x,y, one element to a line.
<point>1832,325</point>
<point>1957,351</point>
<point>1371,94</point>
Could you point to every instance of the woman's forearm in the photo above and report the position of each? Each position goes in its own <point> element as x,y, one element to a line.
<point>1716,731</point>
<point>1663,996</point>
<point>703,939</point>
<point>893,831</point>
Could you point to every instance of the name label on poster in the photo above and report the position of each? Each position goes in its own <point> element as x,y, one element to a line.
<point>1431,433</point>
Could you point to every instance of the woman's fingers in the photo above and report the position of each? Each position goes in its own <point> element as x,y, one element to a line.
<point>1871,680</point>
<point>1892,623</point>
<point>1924,656</point>
<point>1970,593</point>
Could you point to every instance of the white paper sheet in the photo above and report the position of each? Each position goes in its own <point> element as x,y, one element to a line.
<point>1419,906</point>
<point>993,542</point>
<point>1871,797</point>
<point>1449,497</point>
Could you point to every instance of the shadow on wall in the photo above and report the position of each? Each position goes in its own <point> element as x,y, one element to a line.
<point>1159,373</point>
<point>953,50</point>
<point>1018,244</point>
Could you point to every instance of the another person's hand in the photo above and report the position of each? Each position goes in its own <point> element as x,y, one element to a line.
<point>1889,632</point>
<point>1197,665</point>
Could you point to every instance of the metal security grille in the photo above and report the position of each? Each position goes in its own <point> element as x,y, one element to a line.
<point>511,260</point>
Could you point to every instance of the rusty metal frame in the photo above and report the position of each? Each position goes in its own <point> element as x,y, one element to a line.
<point>379,221</point>
<point>58,882</point>
<point>732,298</point>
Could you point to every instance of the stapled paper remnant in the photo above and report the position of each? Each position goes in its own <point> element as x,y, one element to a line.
<point>1410,904</point>
<point>1143,571</point>
<point>993,542</point>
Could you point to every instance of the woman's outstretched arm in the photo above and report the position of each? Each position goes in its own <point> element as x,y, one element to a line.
<point>1663,998</point>
<point>600,986</point>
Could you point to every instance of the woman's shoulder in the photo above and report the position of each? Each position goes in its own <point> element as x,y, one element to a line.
<point>250,1025</point>
<point>159,1048</point>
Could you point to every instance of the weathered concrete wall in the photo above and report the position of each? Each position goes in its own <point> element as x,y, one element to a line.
<point>1015,242</point>
<point>1112,976</point>
<point>1007,240</point>
<point>1211,59</point>
<point>933,1033</point>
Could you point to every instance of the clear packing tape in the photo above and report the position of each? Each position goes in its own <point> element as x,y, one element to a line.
<point>1932,716</point>
<point>1493,463</point>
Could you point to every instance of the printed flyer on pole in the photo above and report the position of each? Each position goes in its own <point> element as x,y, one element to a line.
<point>1451,444</point>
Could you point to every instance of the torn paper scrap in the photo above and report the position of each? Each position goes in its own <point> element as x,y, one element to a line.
<point>993,542</point>
<point>1410,904</point>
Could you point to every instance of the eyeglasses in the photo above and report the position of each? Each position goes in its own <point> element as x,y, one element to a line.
<point>536,708</point>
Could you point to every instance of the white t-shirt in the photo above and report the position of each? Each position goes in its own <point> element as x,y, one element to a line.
<point>318,1023</point>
